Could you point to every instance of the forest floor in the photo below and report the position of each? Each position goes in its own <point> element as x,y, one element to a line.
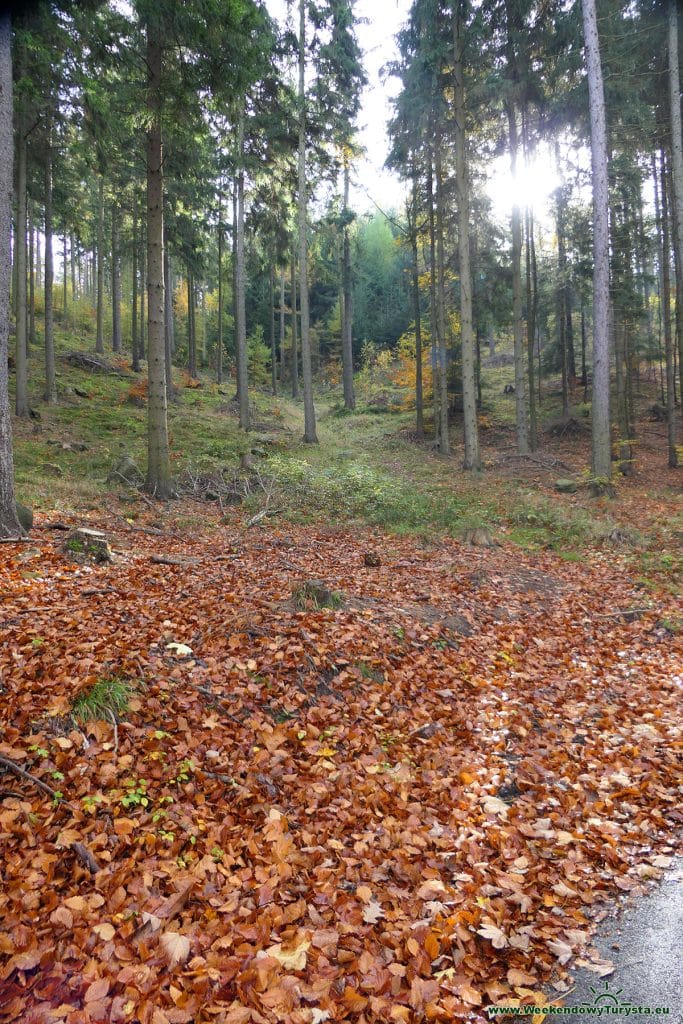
<point>339,764</point>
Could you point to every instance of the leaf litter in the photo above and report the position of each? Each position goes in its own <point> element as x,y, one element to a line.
<point>335,814</point>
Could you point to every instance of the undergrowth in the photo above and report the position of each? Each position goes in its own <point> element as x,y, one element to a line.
<point>107,698</point>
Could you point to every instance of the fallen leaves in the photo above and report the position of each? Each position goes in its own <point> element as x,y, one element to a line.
<point>328,814</point>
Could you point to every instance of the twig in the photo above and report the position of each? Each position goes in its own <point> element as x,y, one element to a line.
<point>14,540</point>
<point>262,515</point>
<point>628,613</point>
<point>112,716</point>
<point>4,793</point>
<point>12,766</point>
<point>86,857</point>
<point>144,497</point>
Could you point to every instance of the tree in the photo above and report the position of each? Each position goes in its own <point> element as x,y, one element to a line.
<point>676,166</point>
<point>310,436</point>
<point>9,525</point>
<point>472,456</point>
<point>601,448</point>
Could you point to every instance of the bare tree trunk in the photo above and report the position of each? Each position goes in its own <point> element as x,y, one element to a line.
<point>310,436</point>
<point>72,262</point>
<point>242,355</point>
<point>433,327</point>
<point>143,293</point>
<point>419,398</point>
<point>191,337</point>
<point>295,340</point>
<point>21,361</point>
<point>9,525</point>
<point>676,170</point>
<point>31,279</point>
<point>158,463</point>
<point>666,322</point>
<point>115,282</point>
<point>282,325</point>
<point>50,375</point>
<point>521,403</point>
<point>134,299</point>
<point>601,449</point>
<point>168,319</point>
<point>99,342</point>
<point>219,340</point>
<point>444,440</point>
<point>472,459</point>
<point>65,265</point>
<point>531,305</point>
<point>273,349</point>
<point>347,301</point>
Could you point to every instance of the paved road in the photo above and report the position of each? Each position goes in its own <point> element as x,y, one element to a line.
<point>648,963</point>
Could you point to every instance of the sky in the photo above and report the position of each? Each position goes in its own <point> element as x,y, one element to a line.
<point>383,18</point>
<point>372,185</point>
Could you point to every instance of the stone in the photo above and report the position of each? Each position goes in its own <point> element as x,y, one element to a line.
<point>52,469</point>
<point>565,486</point>
<point>25,517</point>
<point>479,538</point>
<point>125,469</point>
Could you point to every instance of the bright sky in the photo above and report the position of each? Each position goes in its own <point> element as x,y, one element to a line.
<point>372,185</point>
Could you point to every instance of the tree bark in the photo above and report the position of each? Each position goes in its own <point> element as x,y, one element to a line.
<point>9,525</point>
<point>417,317</point>
<point>601,449</point>
<point>65,294</point>
<point>347,300</point>
<point>666,322</point>
<point>472,459</point>
<point>115,282</point>
<point>21,361</point>
<point>273,349</point>
<point>532,310</point>
<point>521,404</point>
<point>134,298</point>
<point>282,325</point>
<point>31,278</point>
<point>50,373</point>
<point>99,341</point>
<point>676,170</point>
<point>219,340</point>
<point>158,463</point>
<point>295,340</point>
<point>242,356</point>
<point>191,336</point>
<point>444,439</point>
<point>168,319</point>
<point>310,436</point>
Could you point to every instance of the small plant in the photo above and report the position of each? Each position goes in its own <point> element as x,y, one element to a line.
<point>107,698</point>
<point>312,593</point>
<point>167,837</point>
<point>185,770</point>
<point>57,798</point>
<point>40,751</point>
<point>217,854</point>
<point>75,545</point>
<point>90,803</point>
<point>136,795</point>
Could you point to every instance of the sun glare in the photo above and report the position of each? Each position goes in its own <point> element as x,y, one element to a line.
<point>532,186</point>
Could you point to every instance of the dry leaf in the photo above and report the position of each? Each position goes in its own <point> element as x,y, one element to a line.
<point>176,948</point>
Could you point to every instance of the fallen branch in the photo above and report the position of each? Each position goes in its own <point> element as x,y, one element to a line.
<point>262,515</point>
<point>630,614</point>
<point>144,497</point>
<point>112,717</point>
<point>86,858</point>
<point>14,540</point>
<point>12,766</point>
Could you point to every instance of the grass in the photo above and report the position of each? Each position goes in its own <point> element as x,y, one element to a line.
<point>107,698</point>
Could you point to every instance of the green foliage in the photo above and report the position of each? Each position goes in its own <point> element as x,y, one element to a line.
<point>106,698</point>
<point>136,795</point>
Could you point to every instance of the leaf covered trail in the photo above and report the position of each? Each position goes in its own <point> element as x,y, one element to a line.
<point>411,806</point>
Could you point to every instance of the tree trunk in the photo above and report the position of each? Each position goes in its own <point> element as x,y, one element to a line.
<point>168,319</point>
<point>273,349</point>
<point>115,282</point>
<point>50,375</point>
<point>158,463</point>
<point>99,342</point>
<point>601,450</point>
<point>134,299</point>
<point>72,263</point>
<point>472,459</point>
<point>219,340</point>
<point>676,170</point>
<point>21,361</point>
<point>295,340</point>
<point>419,398</point>
<point>65,270</point>
<point>521,404</point>
<point>9,525</point>
<point>310,436</point>
<point>531,305</point>
<point>433,328</point>
<point>347,301</point>
<point>191,337</point>
<point>242,355</point>
<point>444,440</point>
<point>31,279</point>
<point>143,293</point>
<point>666,322</point>
<point>282,325</point>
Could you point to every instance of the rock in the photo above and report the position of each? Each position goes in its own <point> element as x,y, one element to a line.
<point>371,559</point>
<point>566,486</point>
<point>25,517</point>
<point>457,624</point>
<point>246,462</point>
<point>88,543</point>
<point>52,469</point>
<point>232,498</point>
<point>125,469</point>
<point>479,538</point>
<point>81,393</point>
<point>259,452</point>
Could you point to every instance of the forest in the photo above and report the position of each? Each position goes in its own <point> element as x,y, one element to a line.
<point>340,507</point>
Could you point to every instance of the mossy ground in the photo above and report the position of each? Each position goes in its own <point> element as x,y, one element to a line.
<point>368,466</point>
